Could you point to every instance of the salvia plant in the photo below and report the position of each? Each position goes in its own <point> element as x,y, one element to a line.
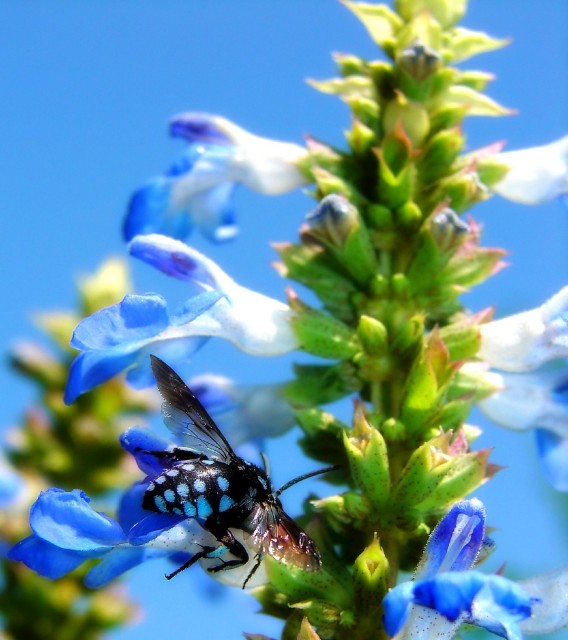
<point>395,548</point>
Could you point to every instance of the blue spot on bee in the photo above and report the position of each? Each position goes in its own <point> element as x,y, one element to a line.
<point>169,495</point>
<point>223,483</point>
<point>161,504</point>
<point>189,510</point>
<point>199,486</point>
<point>178,512</point>
<point>204,509</point>
<point>208,462</point>
<point>188,467</point>
<point>161,479</point>
<point>218,552</point>
<point>172,473</point>
<point>225,503</point>
<point>182,489</point>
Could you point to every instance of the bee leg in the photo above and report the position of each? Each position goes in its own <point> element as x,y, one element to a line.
<point>253,570</point>
<point>227,539</point>
<point>200,554</point>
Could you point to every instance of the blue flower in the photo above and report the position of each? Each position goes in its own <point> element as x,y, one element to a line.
<point>66,531</point>
<point>527,340</point>
<point>244,413</point>
<point>539,401</point>
<point>445,591</point>
<point>122,336</point>
<point>197,190</point>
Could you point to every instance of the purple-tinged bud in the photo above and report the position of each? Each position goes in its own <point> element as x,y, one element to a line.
<point>333,219</point>
<point>448,229</point>
<point>419,60</point>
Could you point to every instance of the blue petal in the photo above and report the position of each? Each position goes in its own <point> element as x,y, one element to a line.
<point>138,442</point>
<point>174,258</point>
<point>455,543</point>
<point>196,306</point>
<point>451,594</point>
<point>134,318</point>
<point>553,456</point>
<point>150,211</point>
<point>211,391</point>
<point>91,368</point>
<point>65,519</point>
<point>500,605</point>
<point>117,561</point>
<point>152,526</point>
<point>130,510</point>
<point>397,605</point>
<point>44,558</point>
<point>112,339</point>
<point>213,212</point>
<point>198,127</point>
<point>493,602</point>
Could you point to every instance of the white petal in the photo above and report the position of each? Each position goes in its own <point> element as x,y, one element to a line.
<point>552,612</point>
<point>526,401</point>
<point>525,341</point>
<point>427,624</point>
<point>536,175</point>
<point>264,165</point>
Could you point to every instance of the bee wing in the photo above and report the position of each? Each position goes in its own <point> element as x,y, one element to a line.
<point>280,537</point>
<point>186,417</point>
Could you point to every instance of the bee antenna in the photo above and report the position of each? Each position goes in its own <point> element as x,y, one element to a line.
<point>305,476</point>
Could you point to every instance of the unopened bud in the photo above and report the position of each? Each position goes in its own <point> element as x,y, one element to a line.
<point>419,61</point>
<point>448,229</point>
<point>333,219</point>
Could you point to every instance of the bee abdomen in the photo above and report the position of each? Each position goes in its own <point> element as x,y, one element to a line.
<point>191,490</point>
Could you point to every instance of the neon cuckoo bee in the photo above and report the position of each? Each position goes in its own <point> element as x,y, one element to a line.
<point>206,480</point>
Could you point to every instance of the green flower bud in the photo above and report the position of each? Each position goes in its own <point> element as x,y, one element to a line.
<point>412,116</point>
<point>370,580</point>
<point>373,336</point>
<point>425,385</point>
<point>439,155</point>
<point>368,459</point>
<point>350,65</point>
<point>323,439</point>
<point>463,190</point>
<point>400,286</point>
<point>336,514</point>
<point>361,137</point>
<point>409,216</point>
<point>320,333</point>
<point>418,478</point>
<point>358,507</point>
<point>324,616</point>
<point>380,216</point>
<point>446,117</point>
<point>460,476</point>
<point>462,339</point>
<point>299,585</point>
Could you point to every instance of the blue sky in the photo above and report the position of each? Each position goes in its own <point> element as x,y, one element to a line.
<point>88,88</point>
